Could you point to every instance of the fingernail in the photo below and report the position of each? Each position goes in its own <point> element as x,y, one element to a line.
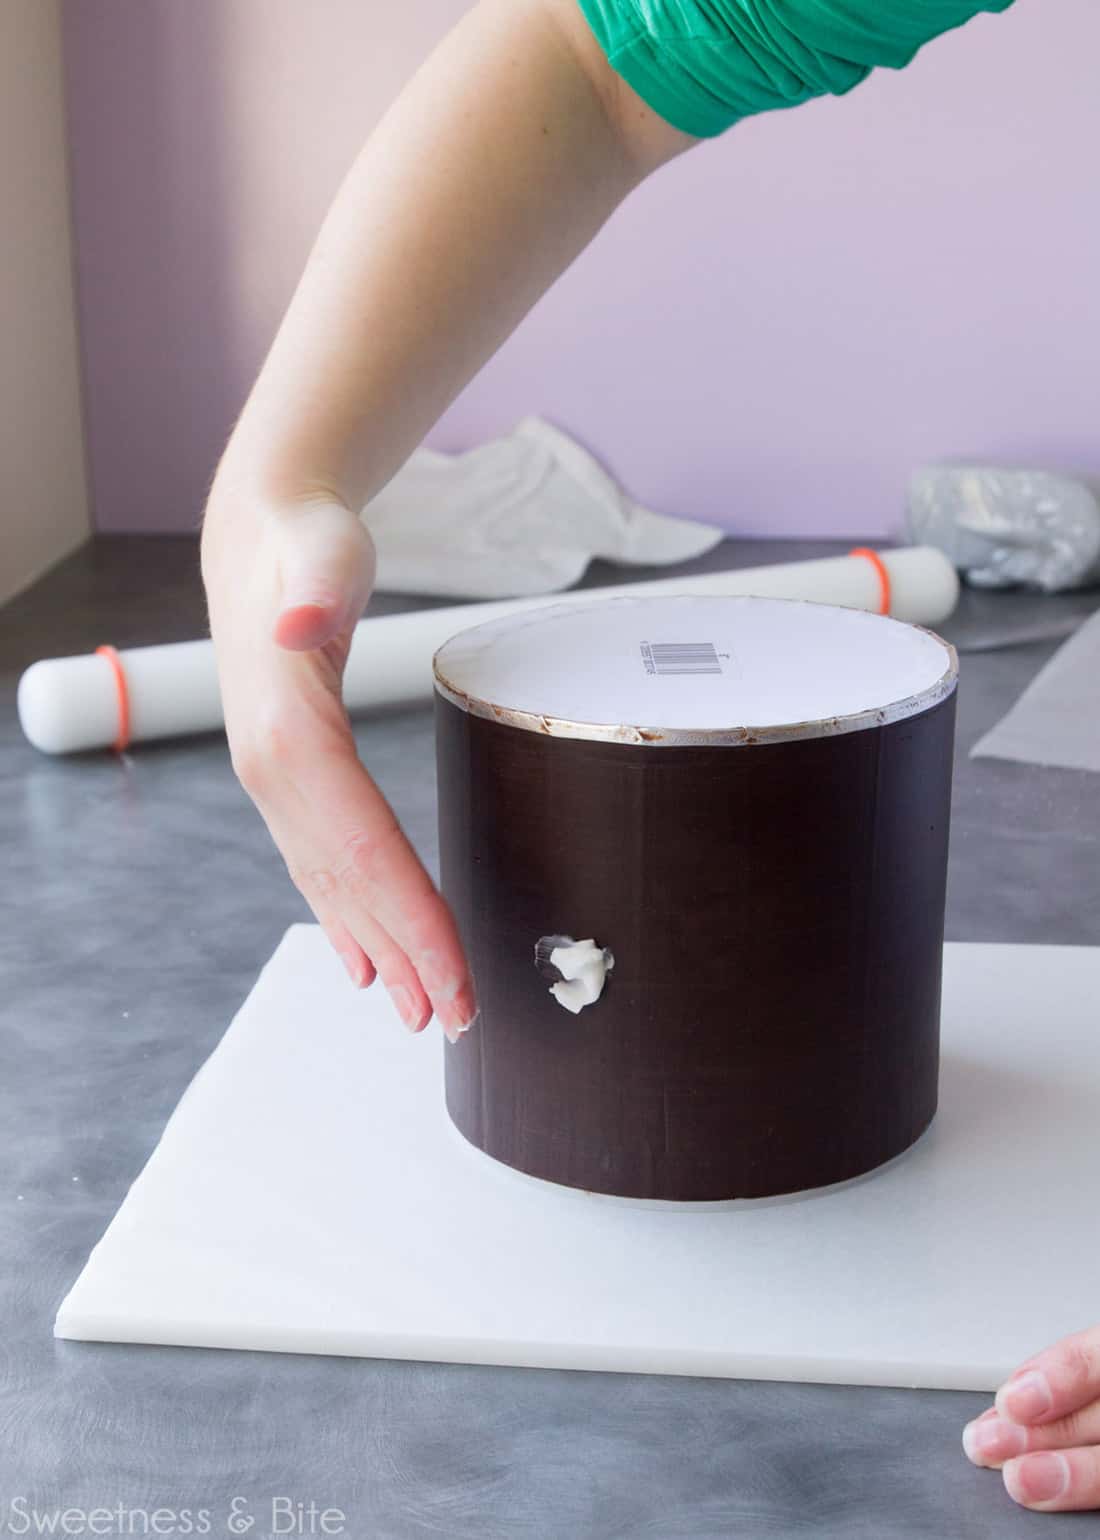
<point>970,1444</point>
<point>459,1014</point>
<point>403,1001</point>
<point>1026,1397</point>
<point>354,966</point>
<point>451,1033</point>
<point>1037,1478</point>
<point>993,1439</point>
<point>461,1008</point>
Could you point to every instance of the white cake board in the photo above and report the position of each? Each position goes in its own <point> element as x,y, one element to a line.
<point>310,1194</point>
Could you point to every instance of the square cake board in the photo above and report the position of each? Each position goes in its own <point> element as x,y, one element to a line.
<point>310,1194</point>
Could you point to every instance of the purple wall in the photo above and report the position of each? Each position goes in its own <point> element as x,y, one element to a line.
<point>771,333</point>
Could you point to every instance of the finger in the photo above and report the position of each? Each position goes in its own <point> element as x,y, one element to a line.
<point>347,853</point>
<point>366,950</point>
<point>372,874</point>
<point>1060,1380</point>
<point>398,975</point>
<point>1066,1482</point>
<point>319,886</point>
<point>380,877</point>
<point>326,565</point>
<point>360,969</point>
<point>991,1440</point>
<point>340,882</point>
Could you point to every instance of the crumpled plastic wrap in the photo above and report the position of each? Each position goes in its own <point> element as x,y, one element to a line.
<point>1004,527</point>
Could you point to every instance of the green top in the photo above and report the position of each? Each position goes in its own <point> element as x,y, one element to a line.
<point>704,64</point>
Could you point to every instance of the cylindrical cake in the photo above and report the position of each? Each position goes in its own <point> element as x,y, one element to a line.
<point>743,805</point>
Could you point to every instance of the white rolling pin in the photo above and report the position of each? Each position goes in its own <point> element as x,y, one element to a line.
<point>109,699</point>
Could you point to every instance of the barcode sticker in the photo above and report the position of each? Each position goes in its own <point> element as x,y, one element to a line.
<point>681,658</point>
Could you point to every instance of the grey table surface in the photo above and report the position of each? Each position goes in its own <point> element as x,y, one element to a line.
<point>139,898</point>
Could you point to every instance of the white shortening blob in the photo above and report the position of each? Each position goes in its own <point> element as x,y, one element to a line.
<point>583,967</point>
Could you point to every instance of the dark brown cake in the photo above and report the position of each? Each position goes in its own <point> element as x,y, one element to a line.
<point>771,892</point>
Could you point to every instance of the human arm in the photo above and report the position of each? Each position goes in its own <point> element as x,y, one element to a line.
<point>494,168</point>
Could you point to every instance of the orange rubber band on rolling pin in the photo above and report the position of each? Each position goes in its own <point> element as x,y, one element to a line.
<point>883,575</point>
<point>123,691</point>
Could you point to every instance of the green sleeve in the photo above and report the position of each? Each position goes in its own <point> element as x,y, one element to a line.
<point>702,65</point>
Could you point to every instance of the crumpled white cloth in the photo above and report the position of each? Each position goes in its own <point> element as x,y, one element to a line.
<point>520,515</point>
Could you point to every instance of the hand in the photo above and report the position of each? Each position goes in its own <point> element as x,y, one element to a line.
<point>285,587</point>
<point>1043,1431</point>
